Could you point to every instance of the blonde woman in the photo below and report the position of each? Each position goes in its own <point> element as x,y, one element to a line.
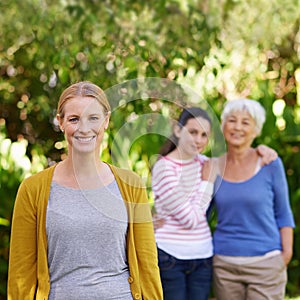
<point>82,229</point>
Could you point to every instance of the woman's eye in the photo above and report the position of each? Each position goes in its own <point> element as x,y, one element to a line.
<point>73,120</point>
<point>95,118</point>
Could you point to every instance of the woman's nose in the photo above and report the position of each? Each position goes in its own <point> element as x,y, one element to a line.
<point>198,138</point>
<point>238,125</point>
<point>83,126</point>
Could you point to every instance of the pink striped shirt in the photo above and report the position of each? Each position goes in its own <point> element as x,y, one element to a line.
<point>181,199</point>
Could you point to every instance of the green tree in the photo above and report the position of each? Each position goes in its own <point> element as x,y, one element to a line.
<point>220,49</point>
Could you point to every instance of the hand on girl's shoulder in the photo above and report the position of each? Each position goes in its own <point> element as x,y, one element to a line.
<point>267,154</point>
<point>210,169</point>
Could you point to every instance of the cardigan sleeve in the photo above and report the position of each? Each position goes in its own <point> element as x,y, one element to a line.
<point>22,273</point>
<point>146,250</point>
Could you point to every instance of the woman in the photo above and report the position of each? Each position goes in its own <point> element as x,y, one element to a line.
<point>182,193</point>
<point>82,229</point>
<point>253,239</point>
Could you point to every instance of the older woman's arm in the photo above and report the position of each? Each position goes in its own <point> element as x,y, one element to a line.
<point>286,234</point>
<point>282,209</point>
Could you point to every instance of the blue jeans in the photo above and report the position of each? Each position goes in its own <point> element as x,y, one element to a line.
<point>185,279</point>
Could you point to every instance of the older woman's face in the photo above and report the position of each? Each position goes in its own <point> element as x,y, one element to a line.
<point>239,129</point>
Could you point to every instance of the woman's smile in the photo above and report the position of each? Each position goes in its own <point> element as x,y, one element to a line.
<point>85,139</point>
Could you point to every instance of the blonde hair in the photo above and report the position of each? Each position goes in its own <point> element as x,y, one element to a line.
<point>83,89</point>
<point>254,108</point>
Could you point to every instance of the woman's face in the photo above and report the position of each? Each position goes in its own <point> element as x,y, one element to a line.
<point>84,124</point>
<point>193,137</point>
<point>239,129</point>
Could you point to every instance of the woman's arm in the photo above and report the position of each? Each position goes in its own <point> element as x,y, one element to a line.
<point>22,272</point>
<point>282,210</point>
<point>145,248</point>
<point>172,199</point>
<point>210,169</point>
<point>286,234</point>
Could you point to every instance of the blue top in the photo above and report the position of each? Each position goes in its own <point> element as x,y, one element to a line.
<point>250,213</point>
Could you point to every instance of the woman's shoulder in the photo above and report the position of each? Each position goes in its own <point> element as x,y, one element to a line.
<point>276,163</point>
<point>202,157</point>
<point>166,164</point>
<point>274,168</point>
<point>162,161</point>
<point>123,172</point>
<point>127,176</point>
<point>40,176</point>
<point>37,182</point>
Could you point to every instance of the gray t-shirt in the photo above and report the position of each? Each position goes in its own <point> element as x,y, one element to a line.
<point>86,232</point>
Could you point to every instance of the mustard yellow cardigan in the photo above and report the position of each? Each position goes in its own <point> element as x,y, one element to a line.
<point>28,274</point>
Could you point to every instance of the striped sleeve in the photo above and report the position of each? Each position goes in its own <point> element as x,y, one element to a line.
<point>187,204</point>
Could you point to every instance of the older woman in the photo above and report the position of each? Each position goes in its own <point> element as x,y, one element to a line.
<point>253,239</point>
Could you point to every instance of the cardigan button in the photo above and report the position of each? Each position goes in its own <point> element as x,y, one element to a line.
<point>137,296</point>
<point>130,279</point>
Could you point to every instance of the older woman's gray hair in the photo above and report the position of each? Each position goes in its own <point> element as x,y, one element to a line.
<point>253,107</point>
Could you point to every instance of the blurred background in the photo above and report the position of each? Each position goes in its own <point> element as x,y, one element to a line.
<point>219,49</point>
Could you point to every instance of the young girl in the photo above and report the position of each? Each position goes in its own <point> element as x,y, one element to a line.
<point>183,190</point>
<point>82,229</point>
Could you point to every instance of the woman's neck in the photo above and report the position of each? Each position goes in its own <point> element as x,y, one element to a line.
<point>239,165</point>
<point>85,174</point>
<point>82,167</point>
<point>237,155</point>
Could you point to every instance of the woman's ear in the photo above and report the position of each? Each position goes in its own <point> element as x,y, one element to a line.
<point>255,133</point>
<point>60,121</point>
<point>177,130</point>
<point>106,121</point>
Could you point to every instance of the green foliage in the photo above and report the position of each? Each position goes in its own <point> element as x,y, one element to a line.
<point>14,167</point>
<point>220,49</point>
